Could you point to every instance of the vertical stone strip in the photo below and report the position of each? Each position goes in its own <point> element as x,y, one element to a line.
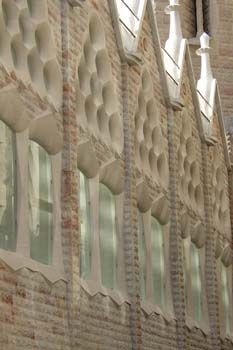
<point>69,184</point>
<point>210,264</point>
<point>130,217</point>
<point>176,268</point>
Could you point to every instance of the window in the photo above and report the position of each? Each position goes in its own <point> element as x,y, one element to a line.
<point>141,251</point>
<point>7,188</point>
<point>196,284</point>
<point>40,204</point>
<point>108,238</point>
<point>130,16</point>
<point>84,205</point>
<point>225,298</point>
<point>158,269</point>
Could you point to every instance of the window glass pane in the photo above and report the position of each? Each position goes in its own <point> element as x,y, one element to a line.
<point>141,248</point>
<point>84,204</point>
<point>196,282</point>
<point>225,298</point>
<point>158,268</point>
<point>108,241</point>
<point>7,188</point>
<point>40,204</point>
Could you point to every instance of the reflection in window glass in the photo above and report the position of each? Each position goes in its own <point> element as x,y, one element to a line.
<point>40,204</point>
<point>84,205</point>
<point>7,188</point>
<point>225,297</point>
<point>158,268</point>
<point>108,240</point>
<point>196,282</point>
<point>141,251</point>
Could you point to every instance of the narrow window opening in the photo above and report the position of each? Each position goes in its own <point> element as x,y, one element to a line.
<point>158,266</point>
<point>40,204</point>
<point>108,238</point>
<point>196,282</point>
<point>7,188</point>
<point>85,229</point>
<point>141,246</point>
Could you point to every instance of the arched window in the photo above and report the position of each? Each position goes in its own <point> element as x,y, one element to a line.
<point>141,251</point>
<point>196,284</point>
<point>7,189</point>
<point>108,238</point>
<point>84,205</point>
<point>158,268</point>
<point>40,204</point>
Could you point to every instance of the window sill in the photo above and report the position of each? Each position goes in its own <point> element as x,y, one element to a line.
<point>191,324</point>
<point>150,308</point>
<point>17,262</point>
<point>93,288</point>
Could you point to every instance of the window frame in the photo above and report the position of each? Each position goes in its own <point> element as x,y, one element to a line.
<point>191,320</point>
<point>148,304</point>
<point>94,285</point>
<point>222,311</point>
<point>25,129</point>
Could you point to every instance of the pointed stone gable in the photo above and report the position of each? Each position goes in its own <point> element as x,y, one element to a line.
<point>130,15</point>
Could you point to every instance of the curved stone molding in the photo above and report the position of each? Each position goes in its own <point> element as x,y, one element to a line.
<point>92,288</point>
<point>150,308</point>
<point>221,212</point>
<point>27,47</point>
<point>218,246</point>
<point>227,255</point>
<point>144,199</point>
<point>18,262</point>
<point>97,104</point>
<point>40,132</point>
<point>198,234</point>
<point>151,156</point>
<point>12,110</point>
<point>185,224</point>
<point>190,181</point>
<point>160,209</point>
<point>88,165</point>
<point>112,175</point>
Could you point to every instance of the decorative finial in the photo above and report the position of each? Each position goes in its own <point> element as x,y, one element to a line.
<point>175,24</point>
<point>206,72</point>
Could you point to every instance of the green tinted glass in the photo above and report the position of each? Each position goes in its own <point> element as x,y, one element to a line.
<point>141,251</point>
<point>84,205</point>
<point>40,204</point>
<point>7,189</point>
<point>225,298</point>
<point>158,268</point>
<point>196,282</point>
<point>108,241</point>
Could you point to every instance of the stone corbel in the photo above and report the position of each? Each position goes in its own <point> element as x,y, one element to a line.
<point>86,159</point>
<point>160,209</point>
<point>198,234</point>
<point>227,255</point>
<point>112,175</point>
<point>144,199</point>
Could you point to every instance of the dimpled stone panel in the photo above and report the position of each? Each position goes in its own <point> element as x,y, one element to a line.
<point>221,211</point>
<point>97,105</point>
<point>27,46</point>
<point>149,141</point>
<point>189,172</point>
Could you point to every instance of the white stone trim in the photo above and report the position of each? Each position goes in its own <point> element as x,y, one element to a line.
<point>22,125</point>
<point>189,316</point>
<point>94,285</point>
<point>147,305</point>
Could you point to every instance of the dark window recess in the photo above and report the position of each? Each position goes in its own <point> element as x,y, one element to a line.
<point>206,15</point>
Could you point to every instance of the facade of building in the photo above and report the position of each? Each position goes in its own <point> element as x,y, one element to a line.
<point>116,198</point>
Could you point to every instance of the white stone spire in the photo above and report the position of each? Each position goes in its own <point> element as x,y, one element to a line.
<point>206,85</point>
<point>206,72</point>
<point>175,23</point>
